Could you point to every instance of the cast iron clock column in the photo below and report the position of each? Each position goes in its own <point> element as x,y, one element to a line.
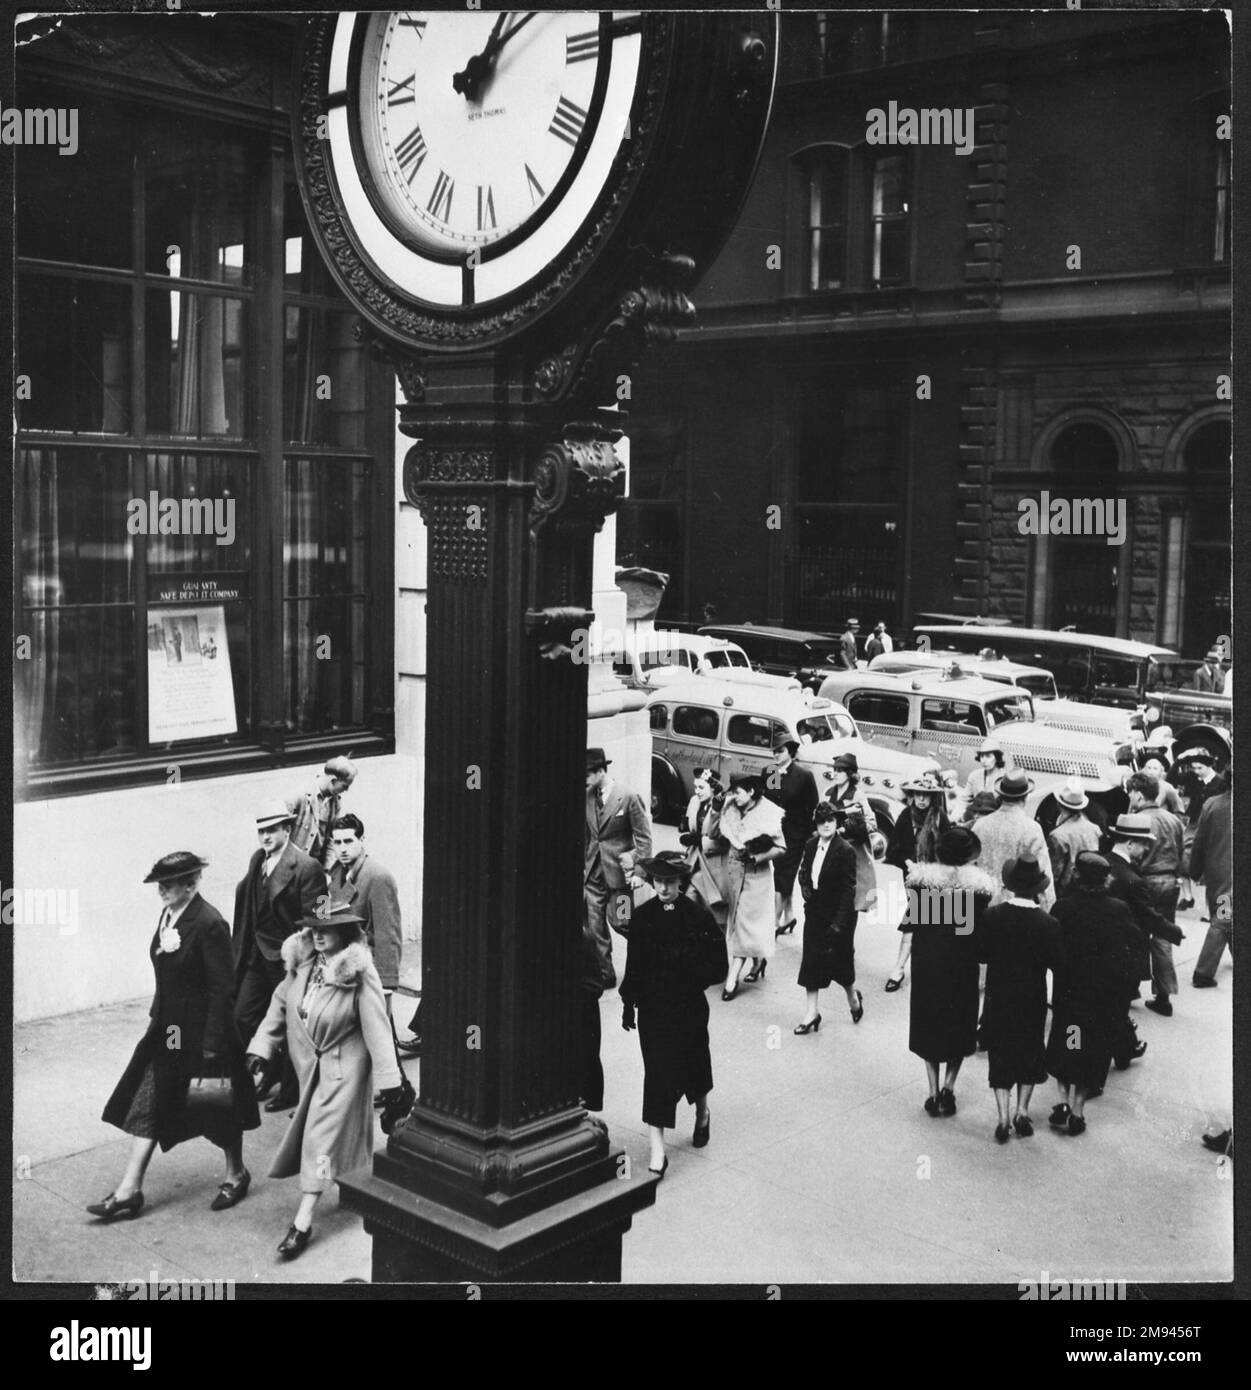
<point>500,1173</point>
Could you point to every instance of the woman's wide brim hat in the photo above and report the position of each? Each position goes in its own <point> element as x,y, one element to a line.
<point>1014,786</point>
<point>274,812</point>
<point>668,864</point>
<point>1024,878</point>
<point>333,915</point>
<point>926,782</point>
<point>847,762</point>
<point>177,865</point>
<point>957,845</point>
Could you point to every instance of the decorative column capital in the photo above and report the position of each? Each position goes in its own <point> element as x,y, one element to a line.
<point>577,483</point>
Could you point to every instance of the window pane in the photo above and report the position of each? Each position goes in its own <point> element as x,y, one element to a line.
<point>198,364</point>
<point>199,193</point>
<point>74,344</point>
<point>326,530</point>
<point>74,542</point>
<point>304,270</point>
<point>323,379</point>
<point>84,217</point>
<point>693,722</point>
<point>879,709</point>
<point>213,513</point>
<point>826,216</point>
<point>751,731</point>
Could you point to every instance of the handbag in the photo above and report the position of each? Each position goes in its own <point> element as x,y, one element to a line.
<point>209,1099</point>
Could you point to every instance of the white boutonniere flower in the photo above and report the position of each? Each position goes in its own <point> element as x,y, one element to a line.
<point>170,940</point>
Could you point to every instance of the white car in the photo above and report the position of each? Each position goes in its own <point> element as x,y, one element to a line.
<point>657,659</point>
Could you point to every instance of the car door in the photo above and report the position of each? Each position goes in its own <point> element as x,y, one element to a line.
<point>882,716</point>
<point>950,732</point>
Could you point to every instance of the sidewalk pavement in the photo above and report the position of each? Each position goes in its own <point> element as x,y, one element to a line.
<point>823,1167</point>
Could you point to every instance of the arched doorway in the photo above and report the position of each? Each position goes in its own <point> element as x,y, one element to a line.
<point>1206,612</point>
<point>1084,570</point>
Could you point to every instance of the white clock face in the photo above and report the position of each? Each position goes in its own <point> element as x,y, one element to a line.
<point>470,147</point>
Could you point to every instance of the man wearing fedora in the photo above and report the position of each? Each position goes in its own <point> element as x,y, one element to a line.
<point>618,835</point>
<point>1161,868</point>
<point>846,653</point>
<point>1132,839</point>
<point>1073,833</point>
<point>1012,833</point>
<point>282,885</point>
<point>1211,860</point>
<point>1210,678</point>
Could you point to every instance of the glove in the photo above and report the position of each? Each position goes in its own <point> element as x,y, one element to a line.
<point>627,1017</point>
<point>397,1101</point>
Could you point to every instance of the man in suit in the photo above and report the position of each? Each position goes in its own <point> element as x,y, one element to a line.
<point>1161,867</point>
<point>1209,678</point>
<point>373,895</point>
<point>618,835</point>
<point>847,644</point>
<point>1211,859</point>
<point>282,885</point>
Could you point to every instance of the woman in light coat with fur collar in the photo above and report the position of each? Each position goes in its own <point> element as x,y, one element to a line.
<point>330,1009</point>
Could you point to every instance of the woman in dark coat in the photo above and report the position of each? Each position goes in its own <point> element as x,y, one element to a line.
<point>794,789</point>
<point>827,879</point>
<point>676,952</point>
<point>1019,943</point>
<point>946,901</point>
<point>913,841</point>
<point>163,1097</point>
<point>1088,1006</point>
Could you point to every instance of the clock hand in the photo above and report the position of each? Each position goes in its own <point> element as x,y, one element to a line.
<point>468,80</point>
<point>481,65</point>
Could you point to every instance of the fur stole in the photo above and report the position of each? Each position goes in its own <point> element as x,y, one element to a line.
<point>343,969</point>
<point>944,878</point>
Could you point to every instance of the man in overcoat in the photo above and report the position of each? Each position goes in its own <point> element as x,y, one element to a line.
<point>282,885</point>
<point>618,835</point>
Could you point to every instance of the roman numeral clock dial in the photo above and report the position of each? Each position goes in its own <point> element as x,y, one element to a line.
<point>469,148</point>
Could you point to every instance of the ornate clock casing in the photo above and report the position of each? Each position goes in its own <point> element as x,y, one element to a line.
<point>596,145</point>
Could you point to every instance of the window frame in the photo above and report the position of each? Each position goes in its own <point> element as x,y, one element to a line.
<point>267,741</point>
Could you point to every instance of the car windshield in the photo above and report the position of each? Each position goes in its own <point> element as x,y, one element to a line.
<point>721,657</point>
<point>1008,710</point>
<point>821,728</point>
<point>1041,686</point>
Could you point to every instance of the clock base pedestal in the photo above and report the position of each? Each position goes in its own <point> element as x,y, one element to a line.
<point>417,1240</point>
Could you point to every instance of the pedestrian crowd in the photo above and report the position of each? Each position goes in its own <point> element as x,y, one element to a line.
<point>295,997</point>
<point>996,904</point>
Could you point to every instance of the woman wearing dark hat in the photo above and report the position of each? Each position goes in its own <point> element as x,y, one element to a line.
<point>856,824</point>
<point>1088,1003</point>
<point>196,1085</point>
<point>675,952</point>
<point>1019,943</point>
<point>827,878</point>
<point>753,828</point>
<point>914,840</point>
<point>330,1009</point>
<point>982,804</point>
<point>794,789</point>
<point>946,901</point>
<point>705,847</point>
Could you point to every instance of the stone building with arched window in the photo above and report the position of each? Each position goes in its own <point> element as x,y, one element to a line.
<point>903,342</point>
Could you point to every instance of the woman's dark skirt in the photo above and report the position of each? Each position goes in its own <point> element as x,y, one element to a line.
<point>677,1061</point>
<point>786,867</point>
<point>828,956</point>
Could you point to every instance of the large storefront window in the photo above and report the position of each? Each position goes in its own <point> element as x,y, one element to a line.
<point>191,586</point>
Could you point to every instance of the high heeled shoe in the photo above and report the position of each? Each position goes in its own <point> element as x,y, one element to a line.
<point>786,928</point>
<point>661,1171</point>
<point>295,1242</point>
<point>112,1207</point>
<point>1002,1133</point>
<point>728,994</point>
<point>812,1027</point>
<point>947,1101</point>
<point>858,1012</point>
<point>757,972</point>
<point>699,1140</point>
<point>230,1194</point>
